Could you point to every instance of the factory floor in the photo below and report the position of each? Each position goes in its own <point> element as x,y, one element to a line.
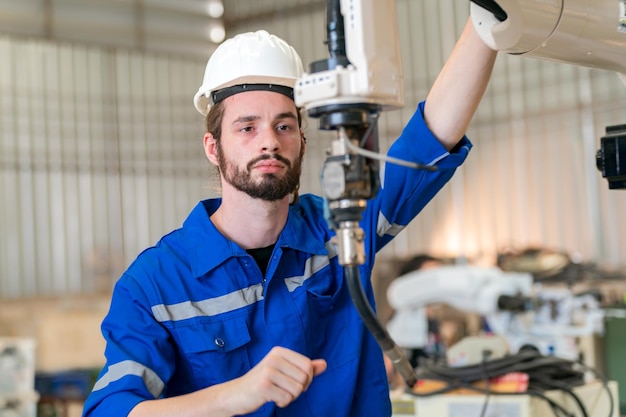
<point>56,335</point>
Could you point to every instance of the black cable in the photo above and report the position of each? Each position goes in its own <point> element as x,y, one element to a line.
<point>486,354</point>
<point>544,372</point>
<point>605,384</point>
<point>454,385</point>
<point>538,367</point>
<point>566,389</point>
<point>359,299</point>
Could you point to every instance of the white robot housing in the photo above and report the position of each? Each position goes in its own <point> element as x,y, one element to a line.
<point>590,33</point>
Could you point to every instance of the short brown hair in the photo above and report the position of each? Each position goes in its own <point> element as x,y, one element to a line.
<point>213,120</point>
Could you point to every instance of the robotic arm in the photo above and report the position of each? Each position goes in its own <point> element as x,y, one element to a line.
<point>513,306</point>
<point>363,76</point>
<point>590,33</point>
<point>467,288</point>
<point>346,92</point>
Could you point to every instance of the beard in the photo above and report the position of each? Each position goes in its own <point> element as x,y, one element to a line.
<point>270,187</point>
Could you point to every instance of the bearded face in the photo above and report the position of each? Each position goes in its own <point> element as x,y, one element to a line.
<point>268,186</point>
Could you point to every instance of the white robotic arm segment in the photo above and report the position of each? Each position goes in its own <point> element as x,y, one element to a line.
<point>467,288</point>
<point>589,33</point>
<point>374,74</point>
<point>528,24</point>
<point>374,50</point>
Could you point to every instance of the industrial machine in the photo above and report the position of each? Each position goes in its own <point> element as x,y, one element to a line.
<point>524,314</point>
<point>363,76</point>
<point>346,92</point>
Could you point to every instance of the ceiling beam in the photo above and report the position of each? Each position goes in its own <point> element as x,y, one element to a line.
<point>282,13</point>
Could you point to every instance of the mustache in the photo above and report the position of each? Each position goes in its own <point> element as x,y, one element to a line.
<point>266,156</point>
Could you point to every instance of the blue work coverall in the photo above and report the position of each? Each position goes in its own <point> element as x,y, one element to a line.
<point>196,310</point>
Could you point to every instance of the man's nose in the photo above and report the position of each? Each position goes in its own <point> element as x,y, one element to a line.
<point>269,141</point>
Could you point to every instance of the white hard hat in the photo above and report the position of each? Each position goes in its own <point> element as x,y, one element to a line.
<point>249,61</point>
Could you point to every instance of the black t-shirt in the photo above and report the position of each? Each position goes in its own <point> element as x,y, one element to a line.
<point>262,256</point>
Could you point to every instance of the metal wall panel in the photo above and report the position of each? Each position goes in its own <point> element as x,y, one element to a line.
<point>100,151</point>
<point>100,155</point>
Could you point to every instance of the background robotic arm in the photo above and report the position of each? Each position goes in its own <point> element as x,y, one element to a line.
<point>521,312</point>
<point>467,288</point>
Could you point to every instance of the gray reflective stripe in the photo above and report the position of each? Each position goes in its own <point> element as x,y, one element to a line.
<point>434,161</point>
<point>314,264</point>
<point>210,306</point>
<point>385,228</point>
<point>126,368</point>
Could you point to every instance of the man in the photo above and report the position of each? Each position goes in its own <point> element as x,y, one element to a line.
<point>244,311</point>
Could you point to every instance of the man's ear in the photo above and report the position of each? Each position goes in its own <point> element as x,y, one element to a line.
<point>210,148</point>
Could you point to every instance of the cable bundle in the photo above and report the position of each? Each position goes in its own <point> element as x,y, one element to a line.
<point>544,373</point>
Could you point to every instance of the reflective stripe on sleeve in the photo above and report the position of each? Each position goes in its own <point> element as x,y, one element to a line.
<point>210,306</point>
<point>385,228</point>
<point>439,158</point>
<point>126,368</point>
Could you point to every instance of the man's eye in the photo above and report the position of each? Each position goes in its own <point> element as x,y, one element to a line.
<point>283,127</point>
<point>247,129</point>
